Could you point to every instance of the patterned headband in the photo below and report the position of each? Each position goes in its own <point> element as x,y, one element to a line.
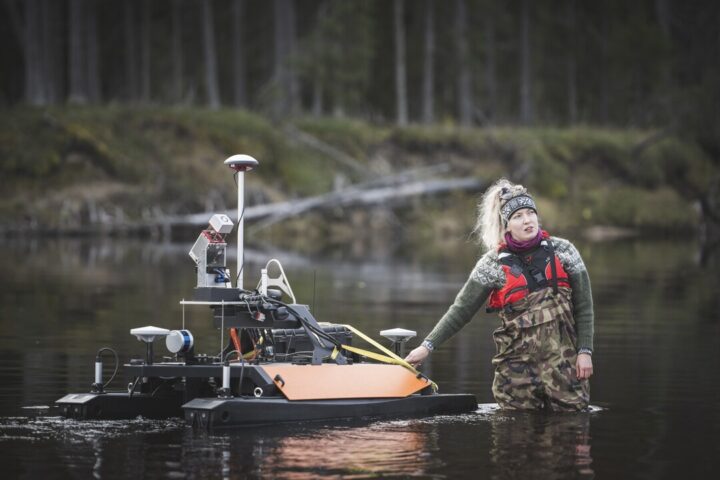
<point>516,203</point>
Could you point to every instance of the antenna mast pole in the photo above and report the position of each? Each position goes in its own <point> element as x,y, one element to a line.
<point>241,164</point>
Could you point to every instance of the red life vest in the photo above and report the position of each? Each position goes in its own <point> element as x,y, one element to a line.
<point>527,273</point>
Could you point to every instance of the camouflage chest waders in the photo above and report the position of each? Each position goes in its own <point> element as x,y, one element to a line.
<point>536,354</point>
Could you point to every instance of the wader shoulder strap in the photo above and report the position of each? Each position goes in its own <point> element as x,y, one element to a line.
<point>553,266</point>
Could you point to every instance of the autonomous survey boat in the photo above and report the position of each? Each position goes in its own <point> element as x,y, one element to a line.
<point>279,364</point>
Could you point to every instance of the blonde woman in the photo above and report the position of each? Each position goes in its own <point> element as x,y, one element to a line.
<point>541,289</point>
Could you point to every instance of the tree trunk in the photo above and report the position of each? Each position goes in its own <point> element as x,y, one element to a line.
<point>280,101</point>
<point>464,85</point>
<point>428,98</point>
<point>239,83</point>
<point>710,215</point>
<point>490,69</point>
<point>293,83</point>
<point>318,90</point>
<point>211,81</point>
<point>31,41</point>
<point>526,107</point>
<point>319,68</point>
<point>285,101</point>
<point>145,52</point>
<point>664,16</point>
<point>571,63</point>
<point>177,51</point>
<point>93,58</point>
<point>53,77</point>
<point>317,105</point>
<point>604,63</point>
<point>400,80</point>
<point>131,85</point>
<point>77,53</point>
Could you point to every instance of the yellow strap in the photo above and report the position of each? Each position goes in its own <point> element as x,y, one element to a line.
<point>369,354</point>
<point>390,356</point>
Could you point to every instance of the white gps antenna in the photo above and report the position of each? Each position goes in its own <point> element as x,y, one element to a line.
<point>241,164</point>
<point>398,337</point>
<point>147,335</point>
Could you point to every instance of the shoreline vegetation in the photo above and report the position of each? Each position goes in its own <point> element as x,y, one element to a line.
<point>126,170</point>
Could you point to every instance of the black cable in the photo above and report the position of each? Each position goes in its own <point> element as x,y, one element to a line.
<point>287,350</point>
<point>305,322</point>
<point>242,368</point>
<point>303,353</point>
<point>252,332</point>
<point>132,389</point>
<point>314,284</point>
<point>319,332</point>
<point>242,215</point>
<point>225,358</point>
<point>162,384</point>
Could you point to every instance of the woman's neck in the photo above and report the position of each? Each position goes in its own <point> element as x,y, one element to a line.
<point>522,245</point>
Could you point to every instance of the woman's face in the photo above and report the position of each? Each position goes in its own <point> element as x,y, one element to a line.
<point>523,225</point>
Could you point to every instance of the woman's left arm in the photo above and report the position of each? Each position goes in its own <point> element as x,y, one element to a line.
<point>582,308</point>
<point>584,321</point>
<point>582,304</point>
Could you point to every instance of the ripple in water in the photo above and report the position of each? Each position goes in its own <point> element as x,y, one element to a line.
<point>64,429</point>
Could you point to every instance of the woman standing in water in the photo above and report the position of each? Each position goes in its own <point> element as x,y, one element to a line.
<point>541,289</point>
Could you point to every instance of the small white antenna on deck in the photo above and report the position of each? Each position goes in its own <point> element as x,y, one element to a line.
<point>241,164</point>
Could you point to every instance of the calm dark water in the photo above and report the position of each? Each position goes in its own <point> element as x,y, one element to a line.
<point>656,386</point>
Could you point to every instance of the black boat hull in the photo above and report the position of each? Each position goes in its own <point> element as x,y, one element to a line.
<point>119,406</point>
<point>211,413</point>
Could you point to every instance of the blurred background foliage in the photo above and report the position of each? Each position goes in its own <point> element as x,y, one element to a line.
<point>120,112</point>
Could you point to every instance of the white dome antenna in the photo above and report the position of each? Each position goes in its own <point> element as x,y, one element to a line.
<point>241,163</point>
<point>147,335</point>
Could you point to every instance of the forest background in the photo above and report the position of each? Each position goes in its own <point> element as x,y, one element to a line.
<point>115,116</point>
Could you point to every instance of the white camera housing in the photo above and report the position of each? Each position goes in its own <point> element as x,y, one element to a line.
<point>221,223</point>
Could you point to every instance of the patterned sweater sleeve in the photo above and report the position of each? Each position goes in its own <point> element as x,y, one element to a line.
<point>485,277</point>
<point>581,291</point>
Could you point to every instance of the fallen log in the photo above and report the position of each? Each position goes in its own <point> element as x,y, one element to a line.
<point>298,136</point>
<point>385,194</point>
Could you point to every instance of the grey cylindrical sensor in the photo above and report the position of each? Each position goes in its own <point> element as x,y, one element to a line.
<point>226,377</point>
<point>98,370</point>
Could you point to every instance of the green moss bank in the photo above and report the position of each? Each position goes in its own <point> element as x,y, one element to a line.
<point>73,169</point>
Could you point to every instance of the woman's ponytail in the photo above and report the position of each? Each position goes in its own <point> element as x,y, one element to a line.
<point>490,226</point>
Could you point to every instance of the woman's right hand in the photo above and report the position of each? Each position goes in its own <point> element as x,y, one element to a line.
<point>417,356</point>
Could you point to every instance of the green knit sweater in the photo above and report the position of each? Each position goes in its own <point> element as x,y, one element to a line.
<point>488,276</point>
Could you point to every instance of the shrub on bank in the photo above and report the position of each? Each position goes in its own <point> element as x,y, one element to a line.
<point>69,167</point>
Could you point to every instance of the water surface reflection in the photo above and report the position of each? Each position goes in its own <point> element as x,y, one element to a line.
<point>657,344</point>
<point>555,445</point>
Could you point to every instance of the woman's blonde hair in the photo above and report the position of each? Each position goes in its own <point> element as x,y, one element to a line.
<point>490,226</point>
